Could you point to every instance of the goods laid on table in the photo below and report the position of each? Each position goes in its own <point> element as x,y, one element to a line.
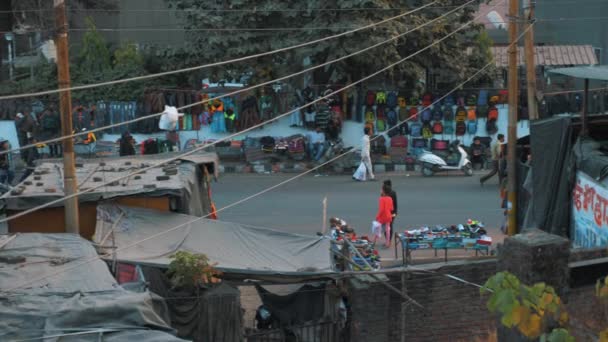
<point>360,251</point>
<point>468,236</point>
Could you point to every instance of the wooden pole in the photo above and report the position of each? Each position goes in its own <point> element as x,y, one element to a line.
<point>530,63</point>
<point>65,101</point>
<point>512,129</point>
<point>324,215</point>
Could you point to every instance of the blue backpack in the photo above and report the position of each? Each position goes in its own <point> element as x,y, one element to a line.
<point>391,99</point>
<point>416,130</point>
<point>448,127</point>
<point>472,127</point>
<point>426,116</point>
<point>392,118</point>
<point>437,113</point>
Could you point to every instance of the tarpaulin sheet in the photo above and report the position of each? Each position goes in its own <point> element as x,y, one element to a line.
<point>76,300</point>
<point>236,248</point>
<point>551,145</point>
<point>591,159</point>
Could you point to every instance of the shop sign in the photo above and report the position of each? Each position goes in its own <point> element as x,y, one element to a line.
<point>589,212</point>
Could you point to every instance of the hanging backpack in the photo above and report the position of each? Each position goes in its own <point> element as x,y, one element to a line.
<point>471,114</point>
<point>391,117</point>
<point>399,141</point>
<point>448,101</point>
<point>448,128</point>
<point>381,125</point>
<point>472,127</point>
<point>427,131</point>
<point>404,128</point>
<point>391,99</point>
<point>426,116</point>
<point>460,101</point>
<point>427,99</point>
<point>461,114</point>
<point>369,115</point>
<point>413,113</point>
<point>437,127</point>
<point>380,97</point>
<point>370,99</point>
<point>392,131</point>
<point>448,113</point>
<point>472,100</point>
<point>414,101</point>
<point>440,145</point>
<point>494,100</point>
<point>437,113</point>
<point>380,112</point>
<point>378,144</point>
<point>493,113</point>
<point>491,127</point>
<point>402,102</point>
<point>416,130</point>
<point>461,128</point>
<point>482,111</point>
<point>420,143</point>
<point>482,99</point>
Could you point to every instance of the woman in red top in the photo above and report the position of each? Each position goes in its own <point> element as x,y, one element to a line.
<point>385,215</point>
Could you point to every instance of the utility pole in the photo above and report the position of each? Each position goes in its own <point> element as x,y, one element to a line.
<point>70,184</point>
<point>512,129</point>
<point>530,63</point>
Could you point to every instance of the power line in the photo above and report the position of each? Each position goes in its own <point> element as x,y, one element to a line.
<point>236,92</point>
<point>230,136</point>
<point>199,67</point>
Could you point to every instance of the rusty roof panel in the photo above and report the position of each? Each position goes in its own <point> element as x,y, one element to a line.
<point>550,55</point>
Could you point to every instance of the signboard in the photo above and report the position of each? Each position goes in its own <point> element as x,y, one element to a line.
<point>589,212</point>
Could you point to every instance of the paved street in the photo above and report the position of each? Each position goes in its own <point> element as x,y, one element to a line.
<point>296,207</point>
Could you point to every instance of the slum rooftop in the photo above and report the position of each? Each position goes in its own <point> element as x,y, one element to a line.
<point>46,183</point>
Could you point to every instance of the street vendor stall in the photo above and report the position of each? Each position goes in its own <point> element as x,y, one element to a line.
<point>469,236</point>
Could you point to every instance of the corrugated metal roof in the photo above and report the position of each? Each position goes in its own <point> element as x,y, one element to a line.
<point>549,55</point>
<point>599,72</point>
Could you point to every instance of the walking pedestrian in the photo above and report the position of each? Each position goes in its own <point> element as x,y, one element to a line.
<point>497,156</point>
<point>51,128</point>
<point>382,224</point>
<point>389,187</point>
<point>365,153</point>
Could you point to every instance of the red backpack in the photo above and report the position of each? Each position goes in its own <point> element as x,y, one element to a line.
<point>461,128</point>
<point>414,113</point>
<point>371,98</point>
<point>399,141</point>
<point>493,113</point>
<point>437,127</point>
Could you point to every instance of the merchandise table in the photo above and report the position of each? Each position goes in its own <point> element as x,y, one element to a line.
<point>480,244</point>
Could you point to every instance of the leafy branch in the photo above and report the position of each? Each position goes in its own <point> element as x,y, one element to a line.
<point>192,270</point>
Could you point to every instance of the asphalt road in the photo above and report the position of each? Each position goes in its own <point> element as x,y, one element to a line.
<point>297,206</point>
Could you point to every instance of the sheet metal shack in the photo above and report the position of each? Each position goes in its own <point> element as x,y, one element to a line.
<point>181,186</point>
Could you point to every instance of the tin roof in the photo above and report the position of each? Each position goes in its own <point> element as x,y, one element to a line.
<point>599,72</point>
<point>549,55</point>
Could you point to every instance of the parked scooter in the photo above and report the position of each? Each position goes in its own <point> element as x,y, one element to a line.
<point>432,163</point>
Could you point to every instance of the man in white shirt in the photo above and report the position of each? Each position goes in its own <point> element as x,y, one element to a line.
<point>316,144</point>
<point>365,153</point>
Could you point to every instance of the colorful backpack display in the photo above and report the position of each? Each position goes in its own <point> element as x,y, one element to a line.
<point>440,145</point>
<point>482,99</point>
<point>427,131</point>
<point>437,127</point>
<point>461,114</point>
<point>391,99</point>
<point>449,101</point>
<point>416,130</point>
<point>491,127</point>
<point>437,113</point>
<point>413,113</point>
<point>370,99</point>
<point>472,127</point>
<point>448,113</point>
<point>404,114</point>
<point>369,115</point>
<point>380,112</point>
<point>472,100</point>
<point>426,116</point>
<point>427,99</point>
<point>381,125</point>
<point>420,143</point>
<point>461,128</point>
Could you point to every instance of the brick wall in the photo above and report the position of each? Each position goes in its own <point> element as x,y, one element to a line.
<point>588,316</point>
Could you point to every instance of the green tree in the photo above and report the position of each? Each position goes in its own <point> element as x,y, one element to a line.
<point>191,270</point>
<point>209,46</point>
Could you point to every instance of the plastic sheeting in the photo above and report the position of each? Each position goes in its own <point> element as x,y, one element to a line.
<point>590,159</point>
<point>553,173</point>
<point>236,248</point>
<point>78,303</point>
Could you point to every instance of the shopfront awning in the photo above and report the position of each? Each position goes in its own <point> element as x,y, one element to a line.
<point>549,55</point>
<point>599,73</point>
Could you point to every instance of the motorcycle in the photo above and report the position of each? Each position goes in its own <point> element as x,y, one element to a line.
<point>432,163</point>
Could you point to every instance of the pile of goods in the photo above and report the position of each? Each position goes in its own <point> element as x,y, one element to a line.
<point>470,235</point>
<point>341,231</point>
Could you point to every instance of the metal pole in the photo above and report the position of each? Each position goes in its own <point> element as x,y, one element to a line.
<point>530,63</point>
<point>65,102</point>
<point>585,128</point>
<point>512,129</point>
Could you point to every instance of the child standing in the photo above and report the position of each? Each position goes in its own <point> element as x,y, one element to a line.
<point>384,216</point>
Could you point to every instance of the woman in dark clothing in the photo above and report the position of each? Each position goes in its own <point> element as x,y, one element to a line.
<point>389,187</point>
